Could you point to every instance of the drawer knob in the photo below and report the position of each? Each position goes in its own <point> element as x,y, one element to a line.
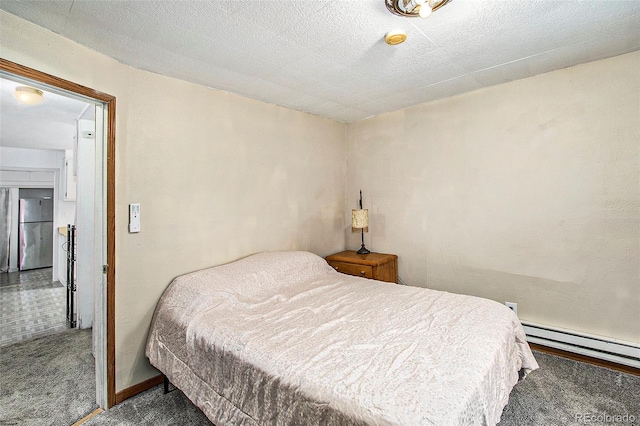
<point>336,268</point>
<point>361,272</point>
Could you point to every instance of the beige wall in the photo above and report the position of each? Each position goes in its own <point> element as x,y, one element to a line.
<point>526,192</point>
<point>218,177</point>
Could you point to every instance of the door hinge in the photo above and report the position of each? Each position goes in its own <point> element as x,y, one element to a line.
<point>105,269</point>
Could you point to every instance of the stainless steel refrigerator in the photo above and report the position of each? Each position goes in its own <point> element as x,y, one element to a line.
<point>35,233</point>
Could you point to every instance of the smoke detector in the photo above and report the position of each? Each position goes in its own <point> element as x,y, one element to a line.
<point>395,37</point>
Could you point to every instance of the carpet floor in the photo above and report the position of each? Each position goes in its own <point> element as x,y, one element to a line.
<point>58,389</point>
<point>48,381</point>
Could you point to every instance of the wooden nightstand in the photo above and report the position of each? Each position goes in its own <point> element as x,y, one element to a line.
<point>377,266</point>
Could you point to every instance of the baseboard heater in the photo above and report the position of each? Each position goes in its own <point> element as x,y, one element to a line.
<point>617,351</point>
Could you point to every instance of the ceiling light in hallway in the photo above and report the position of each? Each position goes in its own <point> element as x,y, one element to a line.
<point>28,95</point>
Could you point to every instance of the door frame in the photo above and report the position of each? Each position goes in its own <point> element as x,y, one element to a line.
<point>110,101</point>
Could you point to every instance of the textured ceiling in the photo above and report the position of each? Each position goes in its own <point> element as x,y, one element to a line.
<point>329,57</point>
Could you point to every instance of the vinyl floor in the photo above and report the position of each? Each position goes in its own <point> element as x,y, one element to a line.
<point>31,305</point>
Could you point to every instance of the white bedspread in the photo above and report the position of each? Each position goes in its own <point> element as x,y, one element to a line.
<point>282,338</point>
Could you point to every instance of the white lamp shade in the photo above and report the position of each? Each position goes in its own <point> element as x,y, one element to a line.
<point>360,219</point>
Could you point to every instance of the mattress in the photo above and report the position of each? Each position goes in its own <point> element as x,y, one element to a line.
<point>281,338</point>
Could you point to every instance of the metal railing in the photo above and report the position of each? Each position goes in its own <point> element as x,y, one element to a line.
<point>71,276</point>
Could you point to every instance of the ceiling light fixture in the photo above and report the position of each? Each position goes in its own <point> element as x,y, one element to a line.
<point>28,95</point>
<point>421,8</point>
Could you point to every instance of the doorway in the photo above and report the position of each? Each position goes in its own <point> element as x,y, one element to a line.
<point>104,254</point>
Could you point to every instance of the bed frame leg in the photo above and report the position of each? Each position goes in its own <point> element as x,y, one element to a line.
<point>166,385</point>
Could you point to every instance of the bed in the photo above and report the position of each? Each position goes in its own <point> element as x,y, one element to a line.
<point>281,338</point>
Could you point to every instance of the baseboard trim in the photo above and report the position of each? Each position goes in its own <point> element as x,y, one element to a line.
<point>587,359</point>
<point>127,393</point>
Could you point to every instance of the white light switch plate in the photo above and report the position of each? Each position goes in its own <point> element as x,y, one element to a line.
<point>134,217</point>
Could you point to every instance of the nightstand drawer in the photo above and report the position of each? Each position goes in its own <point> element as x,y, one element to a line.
<point>377,266</point>
<point>353,269</point>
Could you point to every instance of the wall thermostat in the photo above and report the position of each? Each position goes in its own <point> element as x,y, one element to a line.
<point>134,217</point>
